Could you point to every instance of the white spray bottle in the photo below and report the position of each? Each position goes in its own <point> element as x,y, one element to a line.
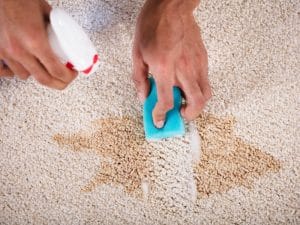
<point>71,44</point>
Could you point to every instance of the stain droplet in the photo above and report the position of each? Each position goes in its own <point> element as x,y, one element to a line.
<point>119,143</point>
<point>226,160</point>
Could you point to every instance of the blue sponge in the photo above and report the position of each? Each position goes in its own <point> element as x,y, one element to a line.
<point>174,125</point>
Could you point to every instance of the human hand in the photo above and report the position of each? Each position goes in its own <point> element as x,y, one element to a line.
<point>24,44</point>
<point>168,45</point>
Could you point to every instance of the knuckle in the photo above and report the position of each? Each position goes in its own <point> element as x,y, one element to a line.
<point>136,79</point>
<point>182,63</point>
<point>162,63</point>
<point>13,50</point>
<point>194,112</point>
<point>198,102</point>
<point>202,58</point>
<point>34,40</point>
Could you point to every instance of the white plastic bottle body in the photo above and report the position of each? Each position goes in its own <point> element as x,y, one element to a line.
<point>71,44</point>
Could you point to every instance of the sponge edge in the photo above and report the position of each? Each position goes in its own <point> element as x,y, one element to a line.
<point>174,124</point>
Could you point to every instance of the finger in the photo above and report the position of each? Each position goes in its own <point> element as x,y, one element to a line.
<point>17,68</point>
<point>41,75</point>
<point>195,100</point>
<point>140,77</point>
<point>52,64</point>
<point>164,104</point>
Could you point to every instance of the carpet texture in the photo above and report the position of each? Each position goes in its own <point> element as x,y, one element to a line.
<point>80,157</point>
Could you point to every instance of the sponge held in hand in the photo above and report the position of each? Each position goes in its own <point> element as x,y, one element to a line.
<point>174,125</point>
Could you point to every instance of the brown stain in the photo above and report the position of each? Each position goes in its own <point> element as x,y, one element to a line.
<point>119,143</point>
<point>226,160</point>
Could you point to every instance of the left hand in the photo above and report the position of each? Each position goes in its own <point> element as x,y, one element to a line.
<point>24,44</point>
<point>168,45</point>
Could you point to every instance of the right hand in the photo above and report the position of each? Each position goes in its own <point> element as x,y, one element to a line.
<point>168,44</point>
<point>24,45</point>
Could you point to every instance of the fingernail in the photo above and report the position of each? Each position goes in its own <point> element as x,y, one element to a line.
<point>141,97</point>
<point>160,124</point>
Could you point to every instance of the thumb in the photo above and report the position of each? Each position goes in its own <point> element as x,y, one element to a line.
<point>140,78</point>
<point>164,103</point>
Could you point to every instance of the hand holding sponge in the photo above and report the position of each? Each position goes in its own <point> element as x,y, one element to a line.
<point>174,124</point>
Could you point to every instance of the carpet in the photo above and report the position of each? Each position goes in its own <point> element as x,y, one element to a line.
<point>79,156</point>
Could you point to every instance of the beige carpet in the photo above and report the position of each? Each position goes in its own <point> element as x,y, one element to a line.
<point>79,156</point>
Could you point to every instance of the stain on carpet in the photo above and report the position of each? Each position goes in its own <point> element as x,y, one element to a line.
<point>119,143</point>
<point>226,160</point>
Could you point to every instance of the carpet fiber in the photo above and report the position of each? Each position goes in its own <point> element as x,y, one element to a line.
<point>80,156</point>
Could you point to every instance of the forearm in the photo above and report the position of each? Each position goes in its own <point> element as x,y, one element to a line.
<point>180,6</point>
